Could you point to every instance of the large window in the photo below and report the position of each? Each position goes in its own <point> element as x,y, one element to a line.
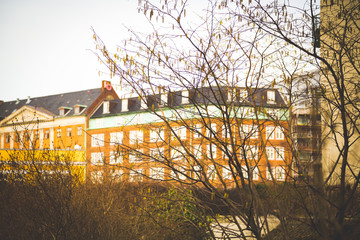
<point>97,158</point>
<point>157,173</point>
<point>79,131</point>
<point>58,133</point>
<point>270,132</point>
<point>211,151</point>
<point>97,140</point>
<point>275,153</point>
<point>179,132</point>
<point>116,157</point>
<point>197,130</point>
<point>211,130</point>
<point>157,135</point>
<point>270,173</point>
<point>270,153</point>
<point>116,138</point>
<point>211,172</point>
<point>68,132</point>
<point>280,173</point>
<point>136,136</point>
<point>227,175</point>
<point>178,173</point>
<point>157,154</point>
<point>136,175</point>
<point>136,156</point>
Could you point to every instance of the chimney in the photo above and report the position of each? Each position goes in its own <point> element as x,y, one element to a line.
<point>106,85</point>
<point>124,105</point>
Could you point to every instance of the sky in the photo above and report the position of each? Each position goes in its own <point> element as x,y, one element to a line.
<point>45,45</point>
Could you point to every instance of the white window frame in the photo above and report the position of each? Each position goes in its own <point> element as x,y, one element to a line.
<point>179,174</point>
<point>270,96</point>
<point>268,171</point>
<point>116,157</point>
<point>227,174</point>
<point>179,131</point>
<point>97,158</point>
<point>270,153</point>
<point>58,133</point>
<point>197,172</point>
<point>116,138</point>
<point>280,173</point>
<point>211,130</point>
<point>176,153</point>
<point>270,132</point>
<point>211,151</point>
<point>117,174</point>
<point>157,173</point>
<point>254,131</point>
<point>97,176</point>
<point>136,175</point>
<point>136,156</point>
<point>252,152</point>
<point>245,171</point>
<point>97,140</point>
<point>79,131</point>
<point>211,172</point>
<point>255,173</point>
<point>68,132</point>
<point>279,133</point>
<point>197,130</point>
<point>197,151</point>
<point>157,153</point>
<point>157,135</point>
<point>280,153</point>
<point>136,136</point>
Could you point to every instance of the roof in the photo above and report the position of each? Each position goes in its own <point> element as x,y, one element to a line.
<point>52,103</point>
<point>205,95</point>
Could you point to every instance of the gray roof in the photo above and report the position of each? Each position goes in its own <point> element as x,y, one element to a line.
<point>52,103</point>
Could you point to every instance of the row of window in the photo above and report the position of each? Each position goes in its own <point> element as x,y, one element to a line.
<point>181,173</point>
<point>46,134</point>
<point>156,135</point>
<point>178,153</point>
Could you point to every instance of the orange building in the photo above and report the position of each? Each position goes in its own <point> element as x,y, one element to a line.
<point>219,135</point>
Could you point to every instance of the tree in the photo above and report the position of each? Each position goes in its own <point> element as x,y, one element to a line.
<point>256,46</point>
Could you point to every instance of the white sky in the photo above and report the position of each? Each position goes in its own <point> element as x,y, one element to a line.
<point>44,44</point>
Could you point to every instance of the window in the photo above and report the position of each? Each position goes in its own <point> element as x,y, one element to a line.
<point>270,153</point>
<point>270,173</point>
<point>117,174</point>
<point>243,94</point>
<point>36,135</point>
<point>231,94</point>
<point>252,152</point>
<point>97,176</point>
<point>197,130</point>
<point>97,158</point>
<point>136,156</point>
<point>178,173</point>
<point>27,136</point>
<point>79,131</point>
<point>157,135</point>
<point>280,173</point>
<point>245,172</point>
<point>279,133</point>
<point>197,172</point>
<point>136,175</point>
<point>270,96</point>
<point>211,172</point>
<point>116,157</point>
<point>157,173</point>
<point>255,173</point>
<point>116,138</point>
<point>227,175</point>
<point>280,153</point>
<point>244,131</point>
<point>225,132</point>
<point>157,154</point>
<point>7,138</point>
<point>270,132</point>
<point>211,130</point>
<point>58,133</point>
<point>47,134</point>
<point>176,152</point>
<point>136,136</point>
<point>106,107</point>
<point>211,151</point>
<point>227,151</point>
<point>97,140</point>
<point>17,137</point>
<point>197,151</point>
<point>254,131</point>
<point>68,132</point>
<point>179,132</point>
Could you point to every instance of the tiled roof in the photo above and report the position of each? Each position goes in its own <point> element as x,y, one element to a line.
<point>52,103</point>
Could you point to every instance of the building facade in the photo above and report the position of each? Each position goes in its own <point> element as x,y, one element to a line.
<point>220,135</point>
<point>48,134</point>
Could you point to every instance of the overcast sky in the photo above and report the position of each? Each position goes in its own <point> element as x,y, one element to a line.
<point>44,44</point>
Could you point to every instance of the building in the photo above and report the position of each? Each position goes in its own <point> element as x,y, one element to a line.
<point>47,134</point>
<point>306,117</point>
<point>340,48</point>
<point>209,133</point>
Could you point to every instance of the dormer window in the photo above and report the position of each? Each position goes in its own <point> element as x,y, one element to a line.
<point>63,111</point>
<point>270,96</point>
<point>106,107</point>
<point>163,99</point>
<point>185,97</point>
<point>79,108</point>
<point>243,95</point>
<point>231,95</point>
